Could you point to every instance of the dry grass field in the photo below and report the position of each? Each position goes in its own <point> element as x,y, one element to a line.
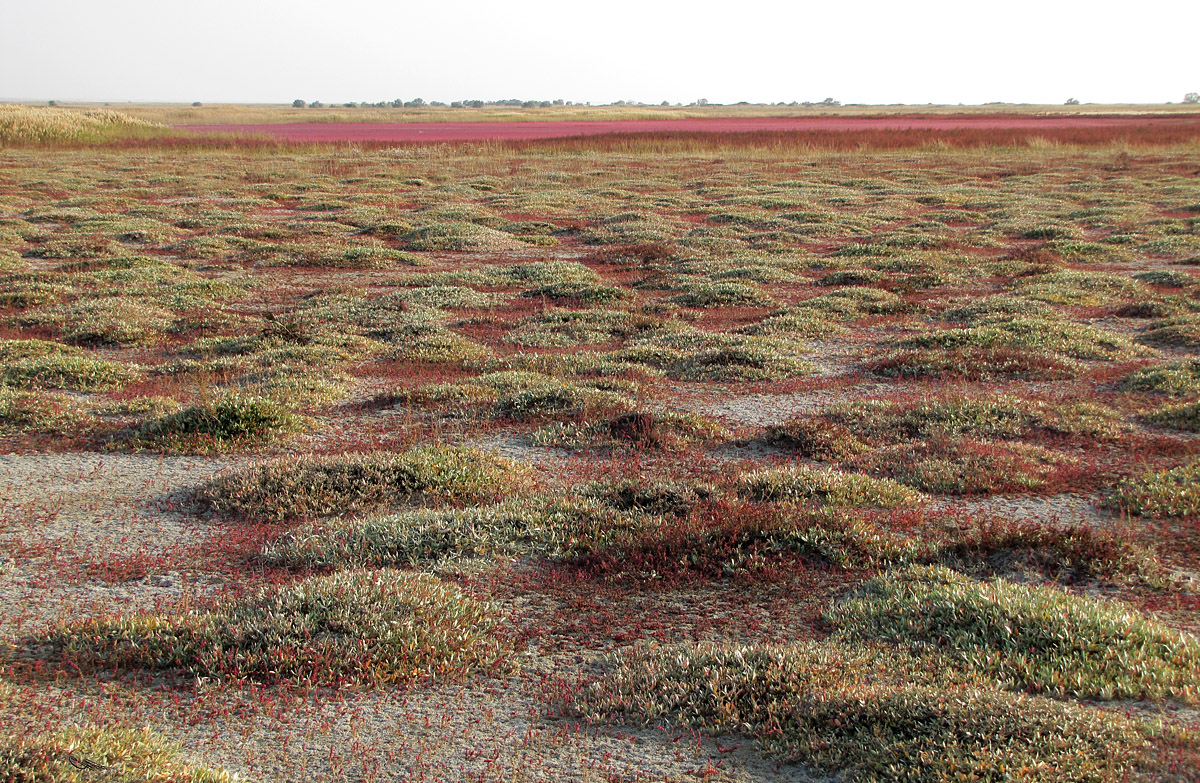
<point>739,458</point>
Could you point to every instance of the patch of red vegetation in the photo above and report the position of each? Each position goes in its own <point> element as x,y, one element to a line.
<point>509,131</point>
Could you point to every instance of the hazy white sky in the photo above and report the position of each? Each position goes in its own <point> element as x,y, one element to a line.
<point>871,51</point>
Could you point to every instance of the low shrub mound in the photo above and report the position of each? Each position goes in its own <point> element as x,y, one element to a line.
<point>696,355</point>
<point>115,320</point>
<point>963,466</point>
<point>323,486</point>
<point>815,439</point>
<point>1063,338</point>
<point>1000,416</point>
<point>63,371</point>
<point>1026,636</point>
<point>368,627</point>
<point>218,425</point>
<point>555,528</point>
<point>1184,417</point>
<point>520,395</point>
<point>1065,554</point>
<point>824,486</point>
<point>977,364</point>
<point>1177,379</point>
<point>636,429</point>
<point>40,413</point>
<point>1159,493</point>
<point>563,328</point>
<point>864,714</point>
<point>125,755</point>
<point>1179,332</point>
<point>709,293</point>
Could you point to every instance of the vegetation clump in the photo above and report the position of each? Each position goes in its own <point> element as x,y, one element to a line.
<point>965,466</point>
<point>359,627</point>
<point>1173,492</point>
<point>324,486</point>
<point>231,421</point>
<point>1177,379</point>
<point>1026,636</point>
<point>823,486</point>
<point>865,714</point>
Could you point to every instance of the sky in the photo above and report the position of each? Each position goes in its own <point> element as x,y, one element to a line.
<point>920,51</point>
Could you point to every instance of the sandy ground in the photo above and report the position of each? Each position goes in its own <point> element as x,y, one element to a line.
<point>63,513</point>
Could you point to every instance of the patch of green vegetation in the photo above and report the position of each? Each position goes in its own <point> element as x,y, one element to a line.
<point>824,486</point>
<point>815,439</point>
<point>1179,332</point>
<point>1026,636</point>
<point>1166,278</point>
<point>865,714</point>
<point>1185,416</point>
<point>55,366</point>
<point>324,486</point>
<point>47,414</point>
<point>991,306</point>
<point>1160,493</point>
<point>440,347</point>
<point>710,293</point>
<point>1177,379</point>
<point>369,257</point>
<point>561,328</point>
<point>126,755</point>
<point>368,627</point>
<point>1000,416</point>
<point>1076,288</point>
<point>1064,338</point>
<point>635,429</point>
<point>962,466</point>
<point>457,236</point>
<point>797,324</point>
<point>717,356</point>
<point>229,422</point>
<point>553,527</point>
<point>519,394</point>
<point>105,321</point>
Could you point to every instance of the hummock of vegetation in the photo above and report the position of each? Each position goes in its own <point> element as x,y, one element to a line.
<point>218,425</point>
<point>369,627</point>
<point>313,486</point>
<point>1172,492</point>
<point>800,484</point>
<point>866,713</point>
<point>1026,636</point>
<point>126,756</point>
